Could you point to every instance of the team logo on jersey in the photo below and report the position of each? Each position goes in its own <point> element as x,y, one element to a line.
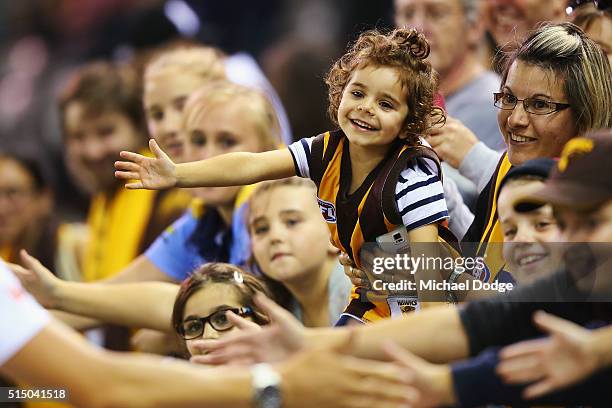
<point>481,272</point>
<point>327,210</point>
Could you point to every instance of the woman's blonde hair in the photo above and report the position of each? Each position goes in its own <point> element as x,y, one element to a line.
<point>202,61</point>
<point>252,103</point>
<point>565,50</point>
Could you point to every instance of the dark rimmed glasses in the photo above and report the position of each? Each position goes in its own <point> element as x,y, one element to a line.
<point>537,106</point>
<point>192,328</point>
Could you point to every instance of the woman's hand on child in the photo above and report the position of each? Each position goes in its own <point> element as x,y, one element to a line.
<point>452,142</point>
<point>276,341</point>
<point>156,173</point>
<point>549,363</point>
<point>38,280</point>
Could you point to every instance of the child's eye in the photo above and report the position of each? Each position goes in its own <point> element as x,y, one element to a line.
<point>260,230</point>
<point>197,138</point>
<point>544,224</point>
<point>386,105</point>
<point>357,94</point>
<point>156,115</point>
<point>509,234</point>
<point>292,222</point>
<point>228,142</point>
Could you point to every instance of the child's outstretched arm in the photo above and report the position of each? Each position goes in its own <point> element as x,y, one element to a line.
<point>231,169</point>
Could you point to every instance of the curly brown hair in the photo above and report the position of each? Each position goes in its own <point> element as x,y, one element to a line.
<point>403,49</point>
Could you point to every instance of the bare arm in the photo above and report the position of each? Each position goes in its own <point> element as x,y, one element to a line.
<point>140,269</point>
<point>131,381</point>
<point>235,169</point>
<point>100,379</point>
<point>232,169</point>
<point>435,334</point>
<point>142,304</point>
<point>75,321</point>
<point>424,243</point>
<point>137,304</point>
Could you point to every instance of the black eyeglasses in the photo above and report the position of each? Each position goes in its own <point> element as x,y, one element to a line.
<point>193,328</point>
<point>537,106</point>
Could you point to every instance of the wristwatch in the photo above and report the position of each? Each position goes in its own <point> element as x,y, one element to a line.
<point>450,295</point>
<point>266,386</point>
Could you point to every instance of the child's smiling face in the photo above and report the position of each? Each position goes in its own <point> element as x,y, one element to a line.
<point>373,106</point>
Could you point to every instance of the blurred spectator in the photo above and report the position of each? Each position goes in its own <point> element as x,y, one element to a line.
<point>597,24</point>
<point>102,114</point>
<point>509,21</point>
<point>455,31</point>
<point>27,220</point>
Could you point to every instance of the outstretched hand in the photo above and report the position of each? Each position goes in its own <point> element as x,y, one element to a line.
<point>156,173</point>
<point>432,381</point>
<point>38,280</point>
<point>282,337</point>
<point>549,363</point>
<point>325,376</point>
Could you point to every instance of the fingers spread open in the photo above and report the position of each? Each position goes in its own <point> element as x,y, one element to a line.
<point>134,186</point>
<point>131,156</point>
<point>126,175</point>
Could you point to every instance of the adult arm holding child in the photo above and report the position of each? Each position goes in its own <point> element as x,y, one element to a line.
<point>232,169</point>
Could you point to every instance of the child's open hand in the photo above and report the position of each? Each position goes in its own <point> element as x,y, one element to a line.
<point>151,173</point>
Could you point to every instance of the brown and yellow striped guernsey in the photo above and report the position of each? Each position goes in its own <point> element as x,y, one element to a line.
<point>487,230</point>
<point>367,213</point>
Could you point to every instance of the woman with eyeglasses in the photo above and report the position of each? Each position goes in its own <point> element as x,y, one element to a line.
<point>196,309</point>
<point>556,86</point>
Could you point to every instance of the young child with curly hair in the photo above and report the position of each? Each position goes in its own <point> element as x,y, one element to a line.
<point>375,175</point>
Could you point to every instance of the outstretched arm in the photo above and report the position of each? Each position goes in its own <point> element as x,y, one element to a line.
<point>436,334</point>
<point>232,169</point>
<point>142,304</point>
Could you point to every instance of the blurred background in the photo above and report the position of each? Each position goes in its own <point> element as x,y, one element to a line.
<point>294,41</point>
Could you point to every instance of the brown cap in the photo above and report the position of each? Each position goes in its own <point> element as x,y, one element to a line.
<point>583,176</point>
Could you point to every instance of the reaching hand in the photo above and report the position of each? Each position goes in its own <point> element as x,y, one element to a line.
<point>150,173</point>
<point>452,142</point>
<point>432,381</point>
<point>282,337</point>
<point>37,279</point>
<point>550,363</point>
<point>326,377</point>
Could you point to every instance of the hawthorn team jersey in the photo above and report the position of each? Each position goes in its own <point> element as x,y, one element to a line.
<point>487,230</point>
<point>403,189</point>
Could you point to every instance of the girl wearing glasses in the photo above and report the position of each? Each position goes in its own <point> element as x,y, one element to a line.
<point>194,310</point>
